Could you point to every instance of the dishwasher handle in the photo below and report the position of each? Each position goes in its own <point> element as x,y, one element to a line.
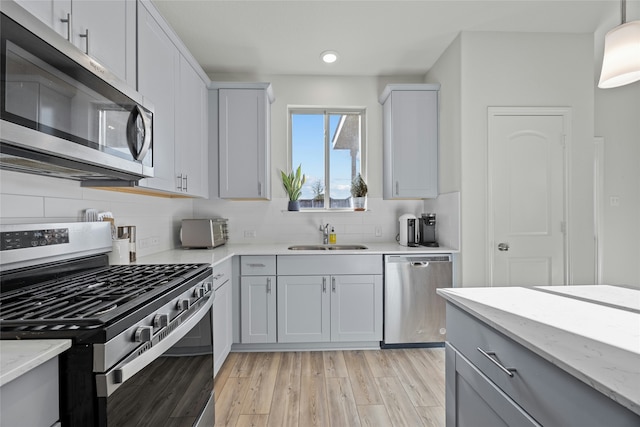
<point>419,264</point>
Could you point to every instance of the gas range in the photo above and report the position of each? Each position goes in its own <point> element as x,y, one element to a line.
<point>56,283</point>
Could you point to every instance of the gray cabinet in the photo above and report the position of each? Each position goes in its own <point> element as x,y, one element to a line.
<point>304,309</point>
<point>191,147</point>
<point>32,398</point>
<point>158,66</point>
<point>492,380</point>
<point>410,141</point>
<point>244,115</point>
<point>104,29</point>
<point>329,298</point>
<point>222,314</point>
<point>258,299</point>
<point>178,95</point>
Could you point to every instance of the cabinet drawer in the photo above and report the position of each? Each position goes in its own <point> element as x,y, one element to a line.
<point>549,394</point>
<point>221,274</point>
<point>261,265</point>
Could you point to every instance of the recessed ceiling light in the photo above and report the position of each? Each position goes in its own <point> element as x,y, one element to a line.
<point>329,56</point>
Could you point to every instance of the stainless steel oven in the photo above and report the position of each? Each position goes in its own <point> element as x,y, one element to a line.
<point>60,107</point>
<point>142,340</point>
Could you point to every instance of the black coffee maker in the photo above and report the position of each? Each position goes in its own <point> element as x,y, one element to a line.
<point>428,230</point>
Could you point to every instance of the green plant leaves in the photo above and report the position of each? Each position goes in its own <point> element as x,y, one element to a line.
<point>293,182</point>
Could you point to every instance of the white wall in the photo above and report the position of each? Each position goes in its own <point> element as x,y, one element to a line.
<point>35,199</point>
<point>269,219</point>
<point>517,69</point>
<point>618,122</point>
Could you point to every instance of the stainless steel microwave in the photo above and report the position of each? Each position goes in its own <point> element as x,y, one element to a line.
<point>62,113</point>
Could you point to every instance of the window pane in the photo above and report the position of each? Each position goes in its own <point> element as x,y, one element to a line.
<point>344,156</point>
<point>307,140</point>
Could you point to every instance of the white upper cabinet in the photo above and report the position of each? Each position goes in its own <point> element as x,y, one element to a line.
<point>54,13</point>
<point>104,29</point>
<point>191,148</point>
<point>179,97</point>
<point>410,141</point>
<point>244,140</point>
<point>158,62</point>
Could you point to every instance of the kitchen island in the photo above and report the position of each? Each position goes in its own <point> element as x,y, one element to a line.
<point>543,352</point>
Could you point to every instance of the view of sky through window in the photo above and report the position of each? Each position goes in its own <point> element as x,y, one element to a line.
<point>309,149</point>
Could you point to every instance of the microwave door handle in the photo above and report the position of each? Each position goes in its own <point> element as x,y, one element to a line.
<point>132,134</point>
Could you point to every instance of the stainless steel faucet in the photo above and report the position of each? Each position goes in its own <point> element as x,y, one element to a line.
<point>325,233</point>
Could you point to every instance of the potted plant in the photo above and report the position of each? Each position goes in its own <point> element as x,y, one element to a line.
<point>359,193</point>
<point>293,182</point>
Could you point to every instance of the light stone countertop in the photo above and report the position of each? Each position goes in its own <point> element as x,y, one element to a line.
<point>17,357</point>
<point>596,343</point>
<point>222,253</point>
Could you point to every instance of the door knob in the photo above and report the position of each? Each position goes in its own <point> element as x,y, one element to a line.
<point>503,247</point>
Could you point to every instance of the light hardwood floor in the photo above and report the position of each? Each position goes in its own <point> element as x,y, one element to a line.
<point>399,387</point>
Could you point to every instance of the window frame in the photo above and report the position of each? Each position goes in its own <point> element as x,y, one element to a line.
<point>327,111</point>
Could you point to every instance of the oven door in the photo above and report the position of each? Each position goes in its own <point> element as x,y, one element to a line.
<point>170,383</point>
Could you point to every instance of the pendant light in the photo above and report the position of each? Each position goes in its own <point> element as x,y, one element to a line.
<point>621,63</point>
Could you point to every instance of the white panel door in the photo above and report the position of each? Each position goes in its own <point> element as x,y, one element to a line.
<point>303,309</point>
<point>258,309</point>
<point>527,186</point>
<point>356,308</point>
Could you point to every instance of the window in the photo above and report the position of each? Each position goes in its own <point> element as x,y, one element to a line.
<point>328,144</point>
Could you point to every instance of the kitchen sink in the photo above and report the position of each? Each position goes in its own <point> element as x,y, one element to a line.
<point>327,247</point>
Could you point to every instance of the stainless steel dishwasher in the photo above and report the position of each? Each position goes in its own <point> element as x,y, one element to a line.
<point>414,315</point>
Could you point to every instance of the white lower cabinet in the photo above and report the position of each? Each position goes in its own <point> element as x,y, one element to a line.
<point>258,309</point>
<point>303,309</point>
<point>222,316</point>
<point>329,308</point>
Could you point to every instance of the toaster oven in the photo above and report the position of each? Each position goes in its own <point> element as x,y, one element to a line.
<point>203,233</point>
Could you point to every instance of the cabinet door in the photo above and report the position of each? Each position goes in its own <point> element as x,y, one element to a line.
<point>411,144</point>
<point>303,309</point>
<point>356,308</point>
<point>222,325</point>
<point>473,400</point>
<point>243,143</point>
<point>158,68</point>
<point>257,309</point>
<point>51,12</point>
<point>111,26</point>
<point>191,148</point>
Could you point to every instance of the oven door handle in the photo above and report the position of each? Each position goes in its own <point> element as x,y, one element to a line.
<point>110,381</point>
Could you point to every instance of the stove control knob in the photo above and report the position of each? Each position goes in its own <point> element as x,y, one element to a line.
<point>160,321</point>
<point>208,286</point>
<point>198,292</point>
<point>143,334</point>
<point>183,304</point>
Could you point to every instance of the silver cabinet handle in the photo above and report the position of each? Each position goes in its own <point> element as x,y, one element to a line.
<point>68,22</point>
<point>185,182</point>
<point>397,188</point>
<point>324,285</point>
<point>488,354</point>
<point>256,265</point>
<point>503,247</point>
<point>179,182</point>
<point>333,284</point>
<point>86,37</point>
<point>259,189</point>
<point>268,285</point>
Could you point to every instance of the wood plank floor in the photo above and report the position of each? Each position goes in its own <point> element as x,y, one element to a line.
<point>399,387</point>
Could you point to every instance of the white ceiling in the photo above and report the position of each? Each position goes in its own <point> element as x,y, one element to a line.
<point>373,38</point>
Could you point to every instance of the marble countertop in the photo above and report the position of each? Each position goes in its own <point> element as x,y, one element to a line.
<point>591,332</point>
<point>222,253</point>
<point>18,357</point>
